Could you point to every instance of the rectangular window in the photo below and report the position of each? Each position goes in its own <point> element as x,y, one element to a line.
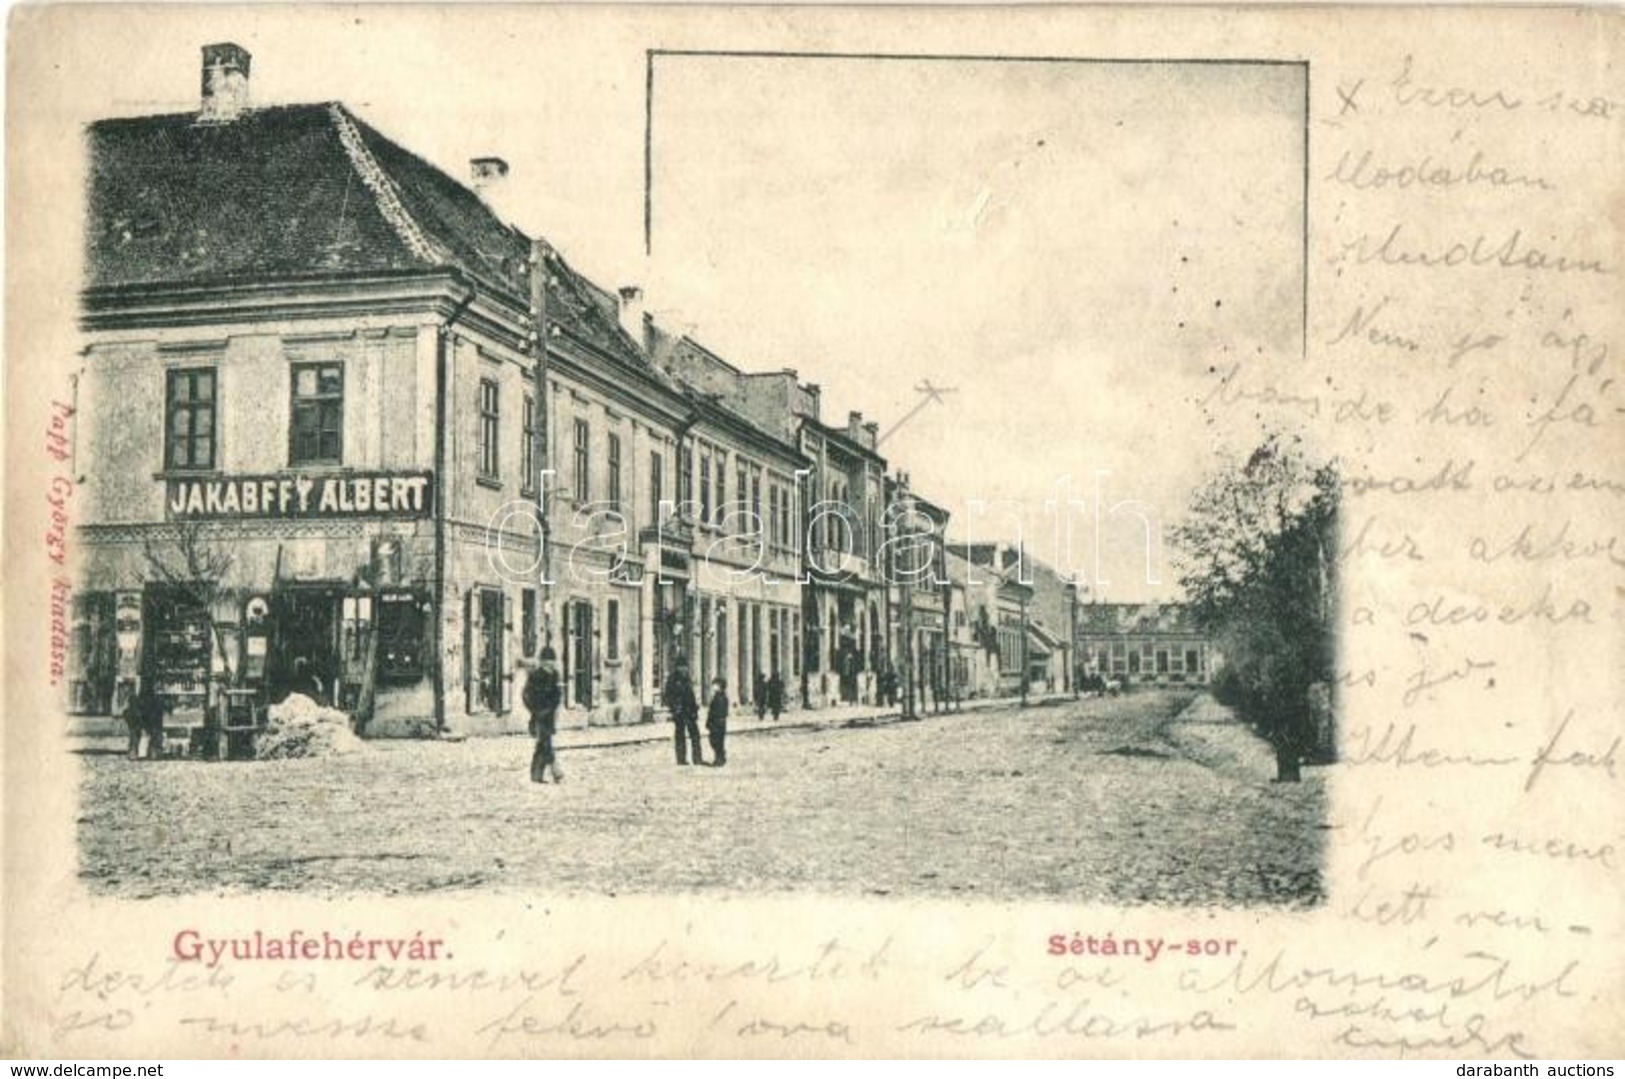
<point>657,485</point>
<point>528,479</point>
<point>189,427</point>
<point>773,537</point>
<point>744,488</point>
<point>318,414</point>
<point>722,489</point>
<point>705,487</point>
<point>490,422</point>
<point>612,630</point>
<point>583,489</point>
<point>615,472</point>
<point>685,476</point>
<point>756,524</point>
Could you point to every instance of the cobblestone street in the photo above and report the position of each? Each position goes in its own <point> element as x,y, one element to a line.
<point>1108,799</point>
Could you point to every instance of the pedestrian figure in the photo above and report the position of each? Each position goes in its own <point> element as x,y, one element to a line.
<point>716,723</point>
<point>775,695</point>
<point>144,714</point>
<point>542,696</point>
<point>759,695</point>
<point>685,713</point>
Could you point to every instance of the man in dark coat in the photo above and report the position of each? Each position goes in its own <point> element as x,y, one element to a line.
<point>759,695</point>
<point>775,695</point>
<point>685,713</point>
<point>542,697</point>
<point>716,722</point>
<point>144,714</point>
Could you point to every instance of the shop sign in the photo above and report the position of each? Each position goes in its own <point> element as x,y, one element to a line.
<point>300,495</point>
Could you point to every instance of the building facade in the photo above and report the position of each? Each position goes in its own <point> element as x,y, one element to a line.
<point>1144,643</point>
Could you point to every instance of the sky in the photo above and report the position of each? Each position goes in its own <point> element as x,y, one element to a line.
<point>1049,241</point>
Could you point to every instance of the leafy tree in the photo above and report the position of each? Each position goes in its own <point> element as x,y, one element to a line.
<point>1256,557</point>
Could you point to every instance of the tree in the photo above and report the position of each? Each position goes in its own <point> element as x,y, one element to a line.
<point>191,569</point>
<point>1256,559</point>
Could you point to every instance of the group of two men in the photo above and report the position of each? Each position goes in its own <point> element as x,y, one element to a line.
<point>544,693</point>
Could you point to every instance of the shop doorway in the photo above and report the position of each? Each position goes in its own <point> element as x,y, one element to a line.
<point>486,652</point>
<point>307,648</point>
<point>579,636</point>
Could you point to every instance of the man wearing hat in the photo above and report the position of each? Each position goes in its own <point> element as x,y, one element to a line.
<point>542,696</point>
<point>685,712</point>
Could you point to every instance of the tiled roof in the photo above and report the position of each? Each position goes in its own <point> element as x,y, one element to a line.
<point>1110,618</point>
<point>298,192</point>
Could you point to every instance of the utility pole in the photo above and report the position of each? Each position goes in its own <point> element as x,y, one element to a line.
<point>906,603</point>
<point>541,277</point>
<point>1074,654</point>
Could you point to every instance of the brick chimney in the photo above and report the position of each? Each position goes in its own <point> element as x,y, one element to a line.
<point>225,82</point>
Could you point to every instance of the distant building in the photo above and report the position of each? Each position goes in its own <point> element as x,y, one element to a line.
<point>1157,643</point>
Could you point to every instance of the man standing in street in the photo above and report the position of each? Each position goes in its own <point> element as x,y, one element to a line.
<point>542,697</point>
<point>775,695</point>
<point>685,713</point>
<point>716,723</point>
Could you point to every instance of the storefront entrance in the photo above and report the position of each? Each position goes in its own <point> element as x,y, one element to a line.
<point>306,656</point>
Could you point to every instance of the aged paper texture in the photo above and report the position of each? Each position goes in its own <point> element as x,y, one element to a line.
<point>382,383</point>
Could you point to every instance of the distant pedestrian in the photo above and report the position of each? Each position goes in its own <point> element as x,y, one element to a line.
<point>716,723</point>
<point>685,713</point>
<point>542,697</point>
<point>144,714</point>
<point>775,695</point>
<point>759,695</point>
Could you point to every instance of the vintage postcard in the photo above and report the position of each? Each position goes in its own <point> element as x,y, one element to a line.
<point>547,531</point>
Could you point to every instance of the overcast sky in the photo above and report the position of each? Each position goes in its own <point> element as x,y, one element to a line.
<point>1051,241</point>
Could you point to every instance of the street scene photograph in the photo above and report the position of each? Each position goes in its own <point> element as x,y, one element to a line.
<point>690,471</point>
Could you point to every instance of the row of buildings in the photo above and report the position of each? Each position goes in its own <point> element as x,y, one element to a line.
<point>340,428</point>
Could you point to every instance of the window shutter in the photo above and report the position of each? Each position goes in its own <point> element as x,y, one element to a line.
<point>507,653</point>
<point>470,666</point>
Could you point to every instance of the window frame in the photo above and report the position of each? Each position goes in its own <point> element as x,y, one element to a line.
<point>613,452</point>
<point>490,431</point>
<point>527,453</point>
<point>582,459</point>
<point>192,408</point>
<point>318,401</point>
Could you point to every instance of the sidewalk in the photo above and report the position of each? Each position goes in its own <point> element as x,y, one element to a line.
<point>1210,734</point>
<point>744,721</point>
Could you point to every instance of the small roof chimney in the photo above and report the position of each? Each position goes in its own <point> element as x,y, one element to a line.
<point>225,82</point>
<point>485,171</point>
<point>633,320</point>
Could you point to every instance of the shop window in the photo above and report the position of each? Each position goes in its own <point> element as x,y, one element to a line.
<point>400,637</point>
<point>318,414</point>
<point>189,441</point>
